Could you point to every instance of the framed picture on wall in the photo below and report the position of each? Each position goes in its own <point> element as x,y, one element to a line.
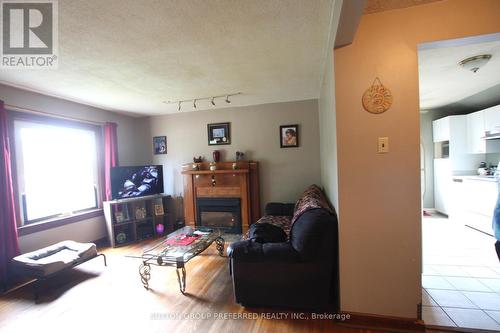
<point>289,136</point>
<point>219,134</point>
<point>160,145</point>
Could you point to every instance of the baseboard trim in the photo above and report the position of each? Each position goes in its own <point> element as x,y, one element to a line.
<point>389,323</point>
<point>432,328</point>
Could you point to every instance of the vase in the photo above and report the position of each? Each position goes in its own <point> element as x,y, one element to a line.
<point>216,155</point>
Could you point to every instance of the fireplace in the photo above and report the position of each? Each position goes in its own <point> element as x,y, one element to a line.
<point>224,213</point>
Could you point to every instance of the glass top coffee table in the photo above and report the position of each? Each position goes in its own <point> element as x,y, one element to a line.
<point>176,249</point>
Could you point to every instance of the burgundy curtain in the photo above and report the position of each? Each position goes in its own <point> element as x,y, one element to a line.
<point>110,156</point>
<point>9,244</point>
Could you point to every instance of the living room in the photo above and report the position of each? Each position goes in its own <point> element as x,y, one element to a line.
<point>306,68</point>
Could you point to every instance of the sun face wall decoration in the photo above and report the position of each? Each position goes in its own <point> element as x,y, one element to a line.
<point>377,99</point>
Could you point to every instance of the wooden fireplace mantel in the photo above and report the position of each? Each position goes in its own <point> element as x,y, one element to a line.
<point>224,182</point>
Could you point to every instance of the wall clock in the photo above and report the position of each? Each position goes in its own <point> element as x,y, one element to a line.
<point>377,98</point>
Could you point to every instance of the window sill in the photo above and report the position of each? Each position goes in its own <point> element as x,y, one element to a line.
<point>58,222</point>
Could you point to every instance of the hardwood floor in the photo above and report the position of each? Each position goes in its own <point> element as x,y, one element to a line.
<point>93,297</point>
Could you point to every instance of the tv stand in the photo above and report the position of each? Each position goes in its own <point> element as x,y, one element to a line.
<point>133,219</point>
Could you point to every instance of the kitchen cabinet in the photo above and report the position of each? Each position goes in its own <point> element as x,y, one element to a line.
<point>441,129</point>
<point>483,195</point>
<point>457,197</point>
<point>454,130</point>
<point>459,161</point>
<point>475,133</point>
<point>478,199</point>
<point>492,118</point>
<point>442,185</point>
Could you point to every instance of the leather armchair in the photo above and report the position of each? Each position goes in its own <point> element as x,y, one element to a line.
<point>300,273</point>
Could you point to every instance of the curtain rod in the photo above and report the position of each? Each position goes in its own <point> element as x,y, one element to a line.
<point>26,110</point>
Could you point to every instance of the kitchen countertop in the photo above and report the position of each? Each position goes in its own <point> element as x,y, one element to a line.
<point>478,177</point>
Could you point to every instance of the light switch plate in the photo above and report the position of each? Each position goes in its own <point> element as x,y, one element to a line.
<point>383,144</point>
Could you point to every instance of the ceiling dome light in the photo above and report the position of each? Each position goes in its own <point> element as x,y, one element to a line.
<point>475,63</point>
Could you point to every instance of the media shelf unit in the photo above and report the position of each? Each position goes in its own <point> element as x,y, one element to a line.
<point>134,219</point>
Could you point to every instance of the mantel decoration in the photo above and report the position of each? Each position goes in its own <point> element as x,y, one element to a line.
<point>240,156</point>
<point>219,134</point>
<point>377,98</point>
<point>216,155</point>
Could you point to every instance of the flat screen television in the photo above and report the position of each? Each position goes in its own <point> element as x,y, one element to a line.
<point>136,181</point>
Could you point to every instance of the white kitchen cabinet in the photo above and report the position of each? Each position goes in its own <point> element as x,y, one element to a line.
<point>454,130</point>
<point>492,118</point>
<point>459,161</point>
<point>458,195</point>
<point>441,129</point>
<point>443,186</point>
<point>482,195</point>
<point>478,202</point>
<point>475,131</point>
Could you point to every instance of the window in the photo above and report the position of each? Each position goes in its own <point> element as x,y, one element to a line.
<point>56,163</point>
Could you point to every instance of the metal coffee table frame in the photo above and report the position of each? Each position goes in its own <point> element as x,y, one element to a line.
<point>162,258</point>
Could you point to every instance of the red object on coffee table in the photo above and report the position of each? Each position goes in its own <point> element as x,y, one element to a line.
<point>181,240</point>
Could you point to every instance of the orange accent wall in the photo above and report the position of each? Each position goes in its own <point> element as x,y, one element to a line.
<point>379,194</point>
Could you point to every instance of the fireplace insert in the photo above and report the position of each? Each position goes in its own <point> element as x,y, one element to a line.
<point>223,213</point>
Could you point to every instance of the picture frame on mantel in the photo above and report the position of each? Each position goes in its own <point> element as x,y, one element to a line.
<point>219,134</point>
<point>159,145</point>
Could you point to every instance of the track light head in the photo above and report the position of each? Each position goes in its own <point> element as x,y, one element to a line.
<point>227,99</point>
<point>213,103</point>
<point>179,108</point>
<point>194,103</point>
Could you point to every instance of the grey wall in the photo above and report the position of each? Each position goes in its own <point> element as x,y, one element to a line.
<point>328,135</point>
<point>134,147</point>
<point>284,172</point>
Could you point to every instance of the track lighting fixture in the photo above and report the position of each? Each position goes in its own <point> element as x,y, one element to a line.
<point>195,100</point>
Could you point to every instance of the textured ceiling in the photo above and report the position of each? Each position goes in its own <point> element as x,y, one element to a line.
<point>375,6</point>
<point>443,82</point>
<point>132,55</point>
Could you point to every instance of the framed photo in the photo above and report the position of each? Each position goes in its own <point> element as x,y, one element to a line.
<point>160,145</point>
<point>219,134</point>
<point>289,136</point>
<point>119,217</point>
<point>159,210</point>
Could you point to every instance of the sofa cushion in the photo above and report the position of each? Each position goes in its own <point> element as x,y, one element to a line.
<point>309,233</point>
<point>312,198</point>
<point>54,258</point>
<point>280,209</point>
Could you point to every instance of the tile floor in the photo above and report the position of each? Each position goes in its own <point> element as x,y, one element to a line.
<point>461,276</point>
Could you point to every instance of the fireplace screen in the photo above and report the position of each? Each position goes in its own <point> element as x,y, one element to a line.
<point>218,219</point>
<point>224,213</point>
